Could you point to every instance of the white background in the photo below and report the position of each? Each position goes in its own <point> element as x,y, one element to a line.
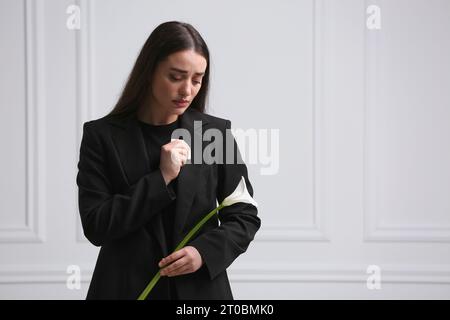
<point>363,118</point>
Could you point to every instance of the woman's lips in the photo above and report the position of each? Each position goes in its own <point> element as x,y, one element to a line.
<point>181,103</point>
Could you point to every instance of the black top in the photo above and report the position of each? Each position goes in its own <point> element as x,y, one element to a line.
<point>156,136</point>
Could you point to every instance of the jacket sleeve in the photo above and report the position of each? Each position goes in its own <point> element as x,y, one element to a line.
<point>106,216</point>
<point>238,223</point>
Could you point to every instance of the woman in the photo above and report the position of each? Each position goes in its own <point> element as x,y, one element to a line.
<point>139,191</point>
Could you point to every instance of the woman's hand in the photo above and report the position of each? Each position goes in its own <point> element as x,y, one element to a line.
<point>173,156</point>
<point>184,261</point>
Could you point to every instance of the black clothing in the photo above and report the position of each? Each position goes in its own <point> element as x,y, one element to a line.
<point>155,136</point>
<point>122,203</point>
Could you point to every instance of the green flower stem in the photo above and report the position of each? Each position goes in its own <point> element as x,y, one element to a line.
<point>183,242</point>
<point>150,286</point>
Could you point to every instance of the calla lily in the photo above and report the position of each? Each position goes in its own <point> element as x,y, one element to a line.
<point>240,194</point>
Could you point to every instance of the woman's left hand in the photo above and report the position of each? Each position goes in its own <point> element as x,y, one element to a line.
<point>184,261</point>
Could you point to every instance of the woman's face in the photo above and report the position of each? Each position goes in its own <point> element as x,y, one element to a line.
<point>176,82</point>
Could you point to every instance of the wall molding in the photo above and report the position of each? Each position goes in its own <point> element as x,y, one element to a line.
<point>84,85</point>
<point>261,273</point>
<point>35,146</point>
<point>338,273</point>
<point>374,229</point>
<point>15,274</point>
<point>319,229</point>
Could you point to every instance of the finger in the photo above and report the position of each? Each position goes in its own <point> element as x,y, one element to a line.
<point>172,257</point>
<point>178,143</point>
<point>186,269</point>
<point>181,151</point>
<point>178,158</point>
<point>182,269</point>
<point>188,150</point>
<point>185,145</point>
<point>177,155</point>
<point>174,157</point>
<point>173,268</point>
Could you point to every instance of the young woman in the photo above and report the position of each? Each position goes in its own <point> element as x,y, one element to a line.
<point>140,193</point>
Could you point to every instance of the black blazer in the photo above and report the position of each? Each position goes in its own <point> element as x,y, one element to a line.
<point>120,202</point>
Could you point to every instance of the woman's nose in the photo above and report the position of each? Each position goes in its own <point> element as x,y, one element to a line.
<point>185,89</point>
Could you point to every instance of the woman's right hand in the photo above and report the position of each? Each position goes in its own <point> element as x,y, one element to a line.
<point>173,156</point>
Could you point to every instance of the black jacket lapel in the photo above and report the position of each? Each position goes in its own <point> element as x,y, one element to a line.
<point>131,148</point>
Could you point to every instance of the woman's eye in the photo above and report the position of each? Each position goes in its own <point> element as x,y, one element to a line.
<point>174,78</point>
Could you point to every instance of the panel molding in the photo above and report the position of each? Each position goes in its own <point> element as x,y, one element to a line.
<point>319,229</point>
<point>35,146</point>
<point>261,273</point>
<point>297,272</point>
<point>375,230</point>
<point>20,274</point>
<point>84,83</point>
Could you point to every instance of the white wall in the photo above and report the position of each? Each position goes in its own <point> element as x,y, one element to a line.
<point>362,115</point>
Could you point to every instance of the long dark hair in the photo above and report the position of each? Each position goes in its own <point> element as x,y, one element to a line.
<point>169,37</point>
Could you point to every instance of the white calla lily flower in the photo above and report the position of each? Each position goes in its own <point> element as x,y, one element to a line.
<point>240,194</point>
